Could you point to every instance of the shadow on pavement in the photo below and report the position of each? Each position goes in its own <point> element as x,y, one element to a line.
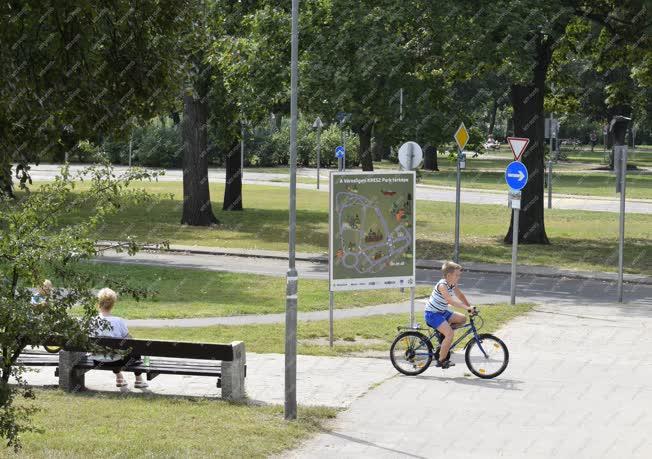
<point>368,443</point>
<point>505,384</point>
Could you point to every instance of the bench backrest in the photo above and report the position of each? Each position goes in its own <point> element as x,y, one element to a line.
<point>223,352</point>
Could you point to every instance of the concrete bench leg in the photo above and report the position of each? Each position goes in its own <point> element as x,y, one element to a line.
<point>71,379</point>
<point>233,374</point>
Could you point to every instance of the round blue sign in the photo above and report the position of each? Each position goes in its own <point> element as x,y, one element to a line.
<point>516,175</point>
<point>339,152</point>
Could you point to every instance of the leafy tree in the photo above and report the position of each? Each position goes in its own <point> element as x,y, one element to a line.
<point>36,241</point>
<point>75,70</point>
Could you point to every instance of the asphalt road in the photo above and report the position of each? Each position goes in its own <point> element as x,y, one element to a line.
<point>480,287</point>
<point>424,192</point>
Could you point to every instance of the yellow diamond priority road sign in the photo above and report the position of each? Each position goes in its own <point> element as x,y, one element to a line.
<point>461,136</point>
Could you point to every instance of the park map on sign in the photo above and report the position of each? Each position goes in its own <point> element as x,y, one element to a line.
<point>372,233</point>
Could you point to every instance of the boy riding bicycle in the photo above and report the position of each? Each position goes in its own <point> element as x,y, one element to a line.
<point>438,313</point>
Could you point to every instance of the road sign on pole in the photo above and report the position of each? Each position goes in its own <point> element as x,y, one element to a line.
<point>516,175</point>
<point>518,146</point>
<point>461,136</point>
<point>410,155</point>
<point>340,152</point>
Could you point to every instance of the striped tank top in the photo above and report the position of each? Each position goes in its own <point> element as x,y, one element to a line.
<point>436,302</point>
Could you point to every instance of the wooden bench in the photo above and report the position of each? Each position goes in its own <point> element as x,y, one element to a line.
<point>226,362</point>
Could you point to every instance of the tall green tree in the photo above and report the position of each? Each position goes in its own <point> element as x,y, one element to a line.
<point>82,69</point>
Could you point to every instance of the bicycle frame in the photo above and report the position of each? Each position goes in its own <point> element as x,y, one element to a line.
<point>471,329</point>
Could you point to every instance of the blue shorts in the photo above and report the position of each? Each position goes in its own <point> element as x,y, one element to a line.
<point>435,319</point>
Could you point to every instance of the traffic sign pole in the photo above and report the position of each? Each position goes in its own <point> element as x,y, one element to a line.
<point>516,213</point>
<point>458,184</point>
<point>622,178</point>
<point>516,176</point>
<point>461,137</point>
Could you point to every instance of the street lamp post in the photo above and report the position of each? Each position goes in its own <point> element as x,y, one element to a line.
<point>292,275</point>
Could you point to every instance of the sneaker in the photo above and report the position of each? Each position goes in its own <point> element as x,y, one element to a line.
<point>445,364</point>
<point>141,385</point>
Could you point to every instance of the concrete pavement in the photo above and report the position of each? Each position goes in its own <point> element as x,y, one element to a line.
<point>577,386</point>
<point>319,380</point>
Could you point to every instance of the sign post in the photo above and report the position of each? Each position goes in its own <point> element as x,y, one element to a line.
<point>461,138</point>
<point>618,126</point>
<point>516,176</point>
<point>410,156</point>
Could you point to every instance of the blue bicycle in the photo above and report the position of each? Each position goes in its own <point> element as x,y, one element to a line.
<point>412,351</point>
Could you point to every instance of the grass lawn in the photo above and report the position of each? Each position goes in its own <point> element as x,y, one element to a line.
<point>197,293</point>
<point>373,333</point>
<point>119,425</point>
<point>579,240</point>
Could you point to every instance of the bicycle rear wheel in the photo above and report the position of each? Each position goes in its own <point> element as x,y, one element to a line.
<point>486,357</point>
<point>411,353</point>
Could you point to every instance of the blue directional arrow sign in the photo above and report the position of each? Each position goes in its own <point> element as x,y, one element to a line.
<point>516,175</point>
<point>339,152</point>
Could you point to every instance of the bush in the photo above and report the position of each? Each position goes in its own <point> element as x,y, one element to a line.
<point>275,149</point>
<point>158,146</point>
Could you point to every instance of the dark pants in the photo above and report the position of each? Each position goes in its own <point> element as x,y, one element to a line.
<point>120,364</point>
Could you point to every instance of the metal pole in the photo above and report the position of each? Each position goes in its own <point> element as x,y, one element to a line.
<point>400,110</point>
<point>292,275</point>
<point>130,141</point>
<point>411,306</point>
<point>242,148</point>
<point>456,251</point>
<point>621,242</point>
<point>330,317</point>
<point>344,145</point>
<point>318,153</point>
<point>514,254</point>
<point>550,183</point>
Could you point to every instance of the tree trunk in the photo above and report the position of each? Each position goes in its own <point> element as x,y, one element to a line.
<point>527,101</point>
<point>6,181</point>
<point>366,161</point>
<point>197,210</point>
<point>233,185</point>
<point>492,119</point>
<point>430,158</point>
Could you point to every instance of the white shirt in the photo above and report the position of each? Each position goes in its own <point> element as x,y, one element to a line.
<point>118,329</point>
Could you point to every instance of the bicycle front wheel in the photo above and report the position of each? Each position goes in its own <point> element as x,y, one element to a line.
<point>487,356</point>
<point>411,353</point>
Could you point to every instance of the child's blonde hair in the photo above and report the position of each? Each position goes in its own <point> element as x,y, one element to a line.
<point>106,298</point>
<point>46,287</point>
<point>449,267</point>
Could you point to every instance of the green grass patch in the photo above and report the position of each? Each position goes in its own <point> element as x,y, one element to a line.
<point>198,293</point>
<point>119,425</point>
<point>372,333</point>
<point>579,240</point>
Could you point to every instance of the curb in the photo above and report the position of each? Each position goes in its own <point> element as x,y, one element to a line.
<point>490,268</point>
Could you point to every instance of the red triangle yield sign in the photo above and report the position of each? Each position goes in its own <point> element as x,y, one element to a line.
<point>518,146</point>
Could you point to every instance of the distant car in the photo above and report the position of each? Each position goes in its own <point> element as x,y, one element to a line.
<point>492,144</point>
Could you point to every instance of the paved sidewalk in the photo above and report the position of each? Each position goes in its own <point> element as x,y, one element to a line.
<point>577,386</point>
<point>325,381</point>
